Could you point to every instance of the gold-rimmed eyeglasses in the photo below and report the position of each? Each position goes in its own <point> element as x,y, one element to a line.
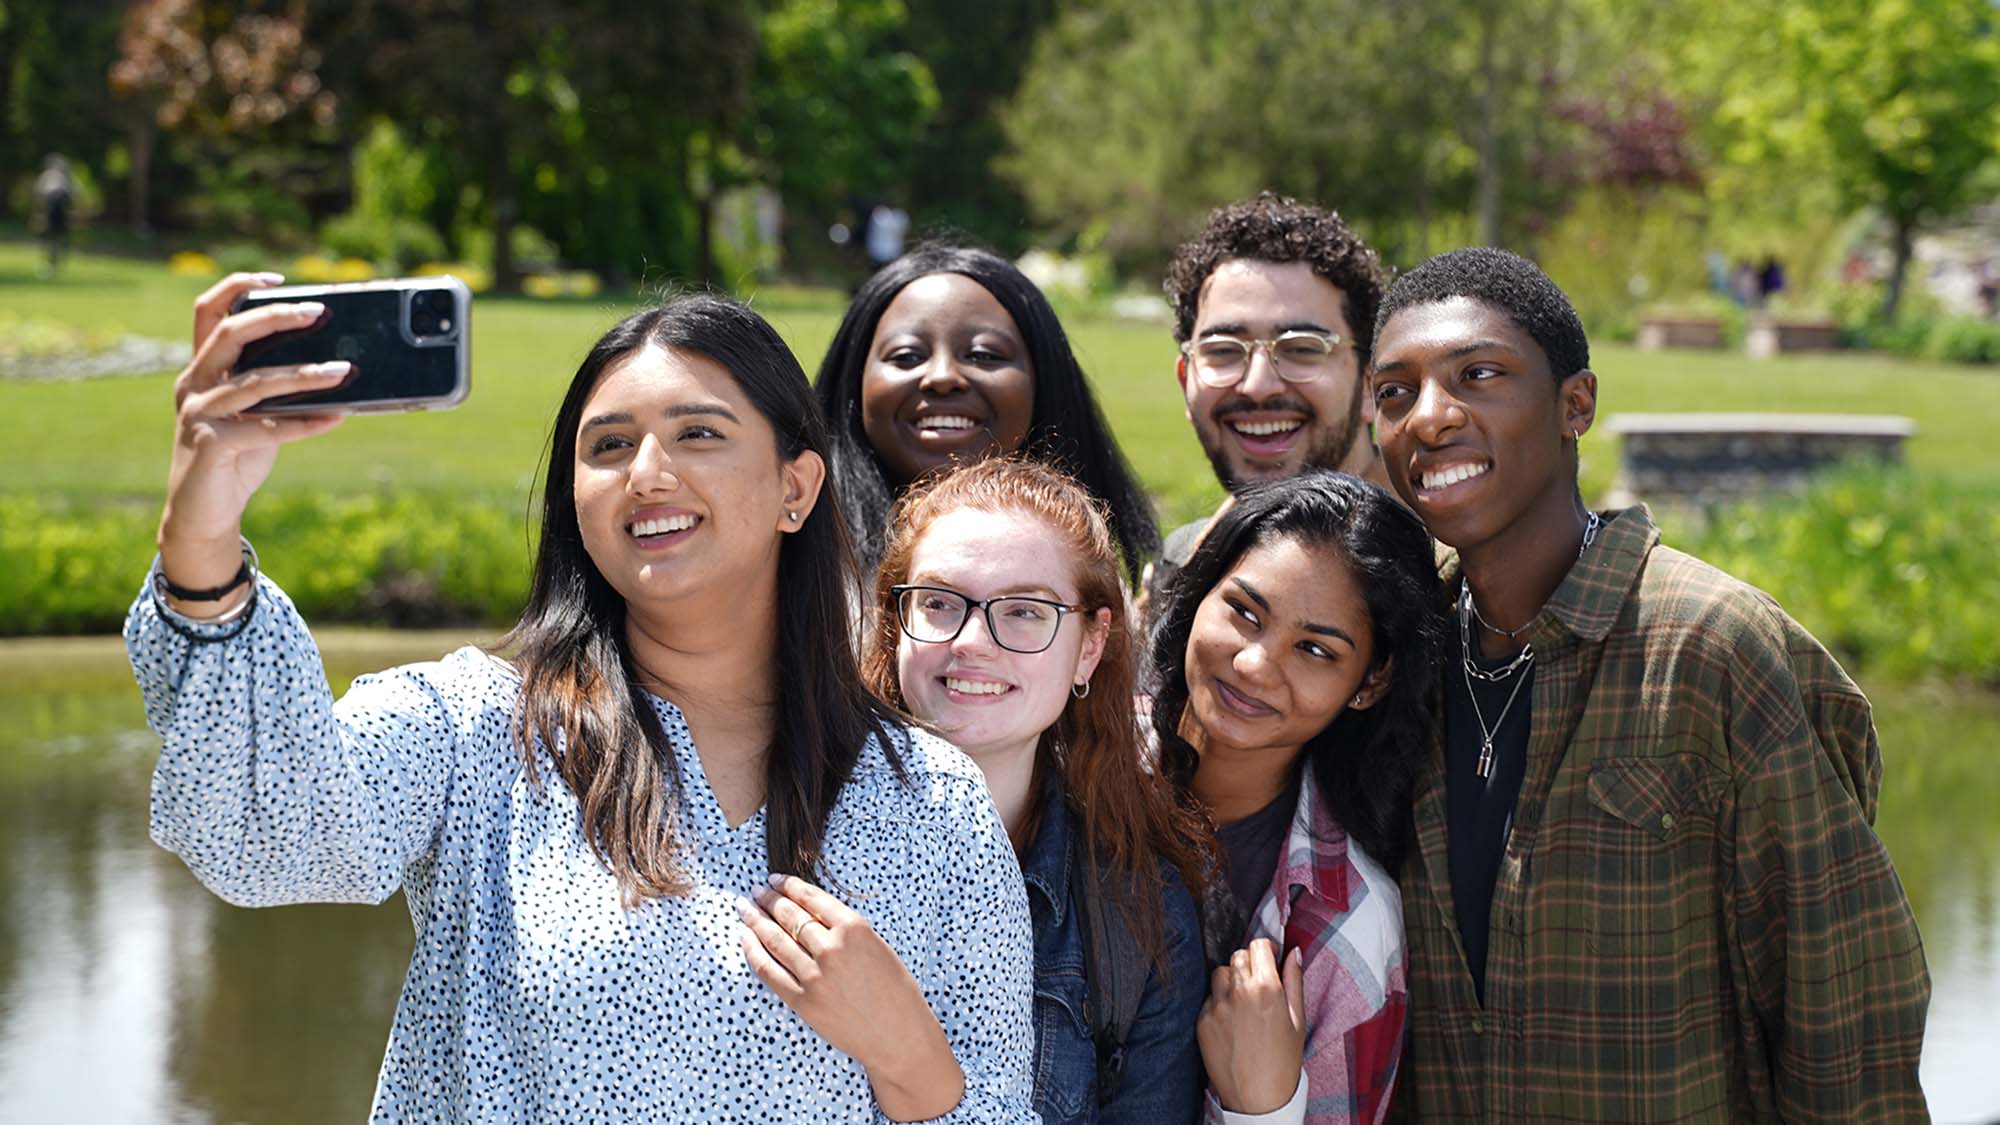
<point>1300,356</point>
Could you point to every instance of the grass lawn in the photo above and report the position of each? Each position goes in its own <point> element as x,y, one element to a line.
<point>109,436</point>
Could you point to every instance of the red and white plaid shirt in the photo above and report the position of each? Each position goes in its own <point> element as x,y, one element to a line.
<point>1333,903</point>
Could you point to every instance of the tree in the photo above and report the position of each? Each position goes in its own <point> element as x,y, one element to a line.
<point>222,75</point>
<point>1138,116</point>
<point>837,108</point>
<point>1898,99</point>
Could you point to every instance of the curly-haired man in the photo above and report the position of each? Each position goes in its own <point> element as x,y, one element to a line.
<point>1274,309</point>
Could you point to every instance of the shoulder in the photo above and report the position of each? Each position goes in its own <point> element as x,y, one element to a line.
<point>936,781</point>
<point>467,684</point>
<point>1181,542</point>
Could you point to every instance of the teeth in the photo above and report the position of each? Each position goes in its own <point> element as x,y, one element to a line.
<point>975,687</point>
<point>1444,478</point>
<point>946,422</point>
<point>662,526</point>
<point>1265,429</point>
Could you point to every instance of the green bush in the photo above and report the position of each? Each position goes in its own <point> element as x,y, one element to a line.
<point>394,189</point>
<point>1893,570</point>
<point>1922,329</point>
<point>411,559</point>
<point>1963,339</point>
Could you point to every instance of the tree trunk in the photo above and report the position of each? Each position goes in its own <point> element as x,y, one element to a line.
<point>1489,125</point>
<point>1905,244</point>
<point>505,214</point>
<point>139,177</point>
<point>704,238</point>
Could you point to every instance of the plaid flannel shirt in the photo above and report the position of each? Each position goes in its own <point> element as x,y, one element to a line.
<point>1333,903</point>
<point>1694,919</point>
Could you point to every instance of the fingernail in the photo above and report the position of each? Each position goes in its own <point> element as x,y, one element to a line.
<point>269,278</point>
<point>310,310</point>
<point>777,880</point>
<point>331,368</point>
<point>745,907</point>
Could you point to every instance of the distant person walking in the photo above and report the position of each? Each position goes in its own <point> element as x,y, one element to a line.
<point>55,195</point>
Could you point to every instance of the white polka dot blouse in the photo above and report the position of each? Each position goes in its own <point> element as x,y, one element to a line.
<point>532,994</point>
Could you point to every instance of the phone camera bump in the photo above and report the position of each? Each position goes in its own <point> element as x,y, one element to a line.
<point>430,313</point>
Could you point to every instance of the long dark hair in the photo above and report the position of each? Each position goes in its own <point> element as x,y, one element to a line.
<point>1364,761</point>
<point>1067,429</point>
<point>1130,820</point>
<point>580,693</point>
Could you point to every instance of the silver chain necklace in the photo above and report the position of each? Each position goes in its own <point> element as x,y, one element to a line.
<point>1467,611</point>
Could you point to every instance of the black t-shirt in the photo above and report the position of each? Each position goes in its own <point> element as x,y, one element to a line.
<point>1480,810</point>
<point>1251,848</point>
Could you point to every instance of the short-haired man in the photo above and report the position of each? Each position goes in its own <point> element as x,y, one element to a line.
<point>1274,307</point>
<point>1646,885</point>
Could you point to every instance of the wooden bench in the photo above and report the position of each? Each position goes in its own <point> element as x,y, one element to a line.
<point>1705,459</point>
<point>1660,332</point>
<point>1769,336</point>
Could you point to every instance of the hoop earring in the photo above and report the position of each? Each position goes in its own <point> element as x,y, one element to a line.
<point>1074,693</point>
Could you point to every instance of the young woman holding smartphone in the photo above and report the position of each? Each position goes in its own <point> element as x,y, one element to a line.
<point>577,830</point>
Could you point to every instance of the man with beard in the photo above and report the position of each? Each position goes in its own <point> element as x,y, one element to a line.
<point>1274,309</point>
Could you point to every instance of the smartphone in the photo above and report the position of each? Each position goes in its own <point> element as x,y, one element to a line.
<point>409,340</point>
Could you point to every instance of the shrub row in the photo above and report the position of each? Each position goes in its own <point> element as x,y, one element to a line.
<point>408,559</point>
<point>1892,570</point>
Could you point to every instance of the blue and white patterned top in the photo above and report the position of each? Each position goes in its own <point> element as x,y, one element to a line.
<point>532,994</point>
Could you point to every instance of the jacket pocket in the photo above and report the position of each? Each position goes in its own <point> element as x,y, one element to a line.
<point>1065,1052</point>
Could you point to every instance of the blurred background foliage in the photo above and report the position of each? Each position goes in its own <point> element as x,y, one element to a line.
<point>722,141</point>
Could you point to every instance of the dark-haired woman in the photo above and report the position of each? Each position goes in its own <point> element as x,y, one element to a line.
<point>1292,663</point>
<point>949,354</point>
<point>577,832</point>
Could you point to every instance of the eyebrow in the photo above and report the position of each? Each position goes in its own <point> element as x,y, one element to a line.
<point>1238,329</point>
<point>1308,626</point>
<point>679,410</point>
<point>925,579</point>
<point>1459,352</point>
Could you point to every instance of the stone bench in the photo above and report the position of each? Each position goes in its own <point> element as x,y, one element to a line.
<point>1657,333</point>
<point>1705,459</point>
<point>1769,336</point>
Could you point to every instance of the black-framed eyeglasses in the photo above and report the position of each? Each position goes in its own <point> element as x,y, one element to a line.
<point>1300,356</point>
<point>1017,622</point>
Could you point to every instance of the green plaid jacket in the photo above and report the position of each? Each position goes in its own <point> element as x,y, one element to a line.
<point>1694,919</point>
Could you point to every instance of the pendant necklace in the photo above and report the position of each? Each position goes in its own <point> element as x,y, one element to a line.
<point>1467,611</point>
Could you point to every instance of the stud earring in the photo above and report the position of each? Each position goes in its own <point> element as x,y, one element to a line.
<point>793,516</point>
<point>1356,701</point>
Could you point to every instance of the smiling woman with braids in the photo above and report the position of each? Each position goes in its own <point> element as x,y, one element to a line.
<point>950,354</point>
<point>578,832</point>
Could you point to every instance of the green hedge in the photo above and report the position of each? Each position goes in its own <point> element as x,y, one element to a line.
<point>1893,570</point>
<point>401,559</point>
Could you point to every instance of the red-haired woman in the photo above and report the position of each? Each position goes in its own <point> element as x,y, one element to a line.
<point>1002,623</point>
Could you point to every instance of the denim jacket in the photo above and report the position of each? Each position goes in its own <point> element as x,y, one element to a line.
<point>1162,1078</point>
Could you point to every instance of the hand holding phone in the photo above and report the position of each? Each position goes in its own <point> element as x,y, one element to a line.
<point>408,341</point>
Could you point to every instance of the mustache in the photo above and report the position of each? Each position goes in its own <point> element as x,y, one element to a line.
<point>1244,404</point>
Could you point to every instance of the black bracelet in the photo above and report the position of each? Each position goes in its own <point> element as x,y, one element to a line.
<point>213,594</point>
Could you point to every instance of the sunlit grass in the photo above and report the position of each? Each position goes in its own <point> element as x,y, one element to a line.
<point>109,436</point>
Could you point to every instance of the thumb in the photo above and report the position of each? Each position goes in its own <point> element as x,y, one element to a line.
<point>1295,988</point>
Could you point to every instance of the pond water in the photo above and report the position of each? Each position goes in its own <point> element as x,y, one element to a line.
<point>128,993</point>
